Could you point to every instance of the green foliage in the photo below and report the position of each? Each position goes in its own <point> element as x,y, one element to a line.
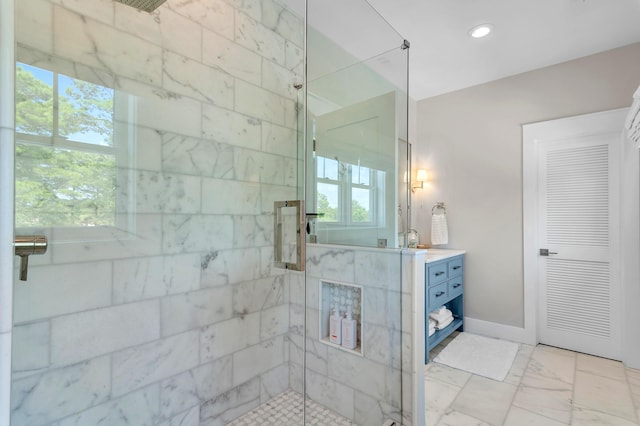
<point>359,213</point>
<point>34,104</point>
<point>87,107</point>
<point>56,187</point>
<point>63,187</point>
<point>330,214</point>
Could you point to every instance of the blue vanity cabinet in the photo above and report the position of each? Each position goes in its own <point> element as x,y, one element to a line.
<point>444,286</point>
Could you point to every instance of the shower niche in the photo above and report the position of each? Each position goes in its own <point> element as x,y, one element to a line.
<point>343,301</point>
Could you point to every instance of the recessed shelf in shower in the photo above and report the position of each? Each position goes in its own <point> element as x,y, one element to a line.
<point>342,297</point>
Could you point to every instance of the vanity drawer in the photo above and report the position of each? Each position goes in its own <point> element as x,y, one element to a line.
<point>437,273</point>
<point>455,267</point>
<point>454,287</point>
<point>437,296</point>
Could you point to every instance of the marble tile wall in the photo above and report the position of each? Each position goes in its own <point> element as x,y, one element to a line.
<point>371,388</point>
<point>180,316</point>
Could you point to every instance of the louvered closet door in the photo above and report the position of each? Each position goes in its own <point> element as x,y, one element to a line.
<point>579,289</point>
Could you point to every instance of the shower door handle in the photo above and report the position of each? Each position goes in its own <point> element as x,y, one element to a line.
<point>27,245</point>
<point>289,227</point>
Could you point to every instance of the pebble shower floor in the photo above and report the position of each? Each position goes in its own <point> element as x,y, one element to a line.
<point>286,410</point>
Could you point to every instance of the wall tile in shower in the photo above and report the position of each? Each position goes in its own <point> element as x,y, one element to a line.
<point>257,359</point>
<point>196,233</point>
<point>145,364</point>
<point>101,46</point>
<point>191,78</point>
<point>58,393</point>
<point>62,289</point>
<point>87,334</point>
<point>215,15</point>
<point>231,58</point>
<point>197,156</point>
<point>150,277</point>
<point>195,309</point>
<point>226,337</point>
<point>252,35</point>
<point>135,409</point>
<point>239,129</point>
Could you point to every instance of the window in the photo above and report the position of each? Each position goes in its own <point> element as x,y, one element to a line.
<point>66,158</point>
<point>346,193</point>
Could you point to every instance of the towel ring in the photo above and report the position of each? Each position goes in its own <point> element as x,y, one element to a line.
<point>439,206</point>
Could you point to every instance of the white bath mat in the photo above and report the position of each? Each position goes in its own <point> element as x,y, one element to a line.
<point>479,355</point>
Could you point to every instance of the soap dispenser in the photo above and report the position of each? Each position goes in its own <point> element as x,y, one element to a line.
<point>349,331</point>
<point>335,327</point>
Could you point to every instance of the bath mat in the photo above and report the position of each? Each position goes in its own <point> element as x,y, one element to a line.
<point>479,355</point>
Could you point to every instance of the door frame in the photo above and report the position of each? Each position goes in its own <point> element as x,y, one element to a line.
<point>600,122</point>
<point>7,132</point>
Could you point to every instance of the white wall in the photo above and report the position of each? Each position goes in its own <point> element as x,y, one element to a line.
<point>471,143</point>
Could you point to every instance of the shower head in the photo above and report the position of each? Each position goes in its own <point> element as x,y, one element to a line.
<point>146,5</point>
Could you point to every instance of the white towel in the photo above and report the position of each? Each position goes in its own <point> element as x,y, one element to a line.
<point>439,231</point>
<point>431,331</point>
<point>444,324</point>
<point>440,316</point>
<point>432,323</point>
<point>441,310</point>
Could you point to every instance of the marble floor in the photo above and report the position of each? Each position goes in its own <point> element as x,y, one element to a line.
<point>546,386</point>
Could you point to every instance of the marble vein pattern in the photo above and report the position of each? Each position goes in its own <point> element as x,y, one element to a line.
<point>192,78</point>
<point>214,15</point>
<point>43,398</point>
<point>546,386</point>
<point>175,314</point>
<point>231,58</point>
<point>102,46</point>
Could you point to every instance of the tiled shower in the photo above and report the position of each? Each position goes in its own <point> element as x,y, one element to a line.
<point>168,310</point>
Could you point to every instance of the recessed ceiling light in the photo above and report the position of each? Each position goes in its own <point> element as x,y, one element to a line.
<point>480,30</point>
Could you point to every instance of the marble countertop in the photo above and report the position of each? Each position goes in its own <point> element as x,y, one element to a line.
<point>439,254</point>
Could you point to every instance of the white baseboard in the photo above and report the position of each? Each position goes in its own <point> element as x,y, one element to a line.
<point>499,331</point>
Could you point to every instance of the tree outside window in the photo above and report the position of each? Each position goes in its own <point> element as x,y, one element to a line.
<point>65,155</point>
<point>346,193</point>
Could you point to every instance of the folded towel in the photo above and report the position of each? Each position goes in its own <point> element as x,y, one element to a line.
<point>439,311</point>
<point>444,324</point>
<point>432,323</point>
<point>431,331</point>
<point>439,231</point>
<point>441,317</point>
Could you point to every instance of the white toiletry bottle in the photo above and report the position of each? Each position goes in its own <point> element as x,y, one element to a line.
<point>335,327</point>
<point>349,331</point>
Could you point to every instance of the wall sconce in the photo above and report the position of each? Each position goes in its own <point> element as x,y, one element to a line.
<point>421,178</point>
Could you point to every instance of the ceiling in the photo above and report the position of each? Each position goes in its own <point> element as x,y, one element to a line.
<point>528,34</point>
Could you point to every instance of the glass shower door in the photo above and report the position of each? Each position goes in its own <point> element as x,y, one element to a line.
<point>150,149</point>
<point>358,354</point>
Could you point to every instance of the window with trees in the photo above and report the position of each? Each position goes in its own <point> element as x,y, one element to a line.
<point>66,159</point>
<point>346,193</point>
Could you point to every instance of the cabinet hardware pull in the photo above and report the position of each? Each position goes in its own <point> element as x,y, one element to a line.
<point>440,293</point>
<point>439,273</point>
<point>457,285</point>
<point>456,267</point>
